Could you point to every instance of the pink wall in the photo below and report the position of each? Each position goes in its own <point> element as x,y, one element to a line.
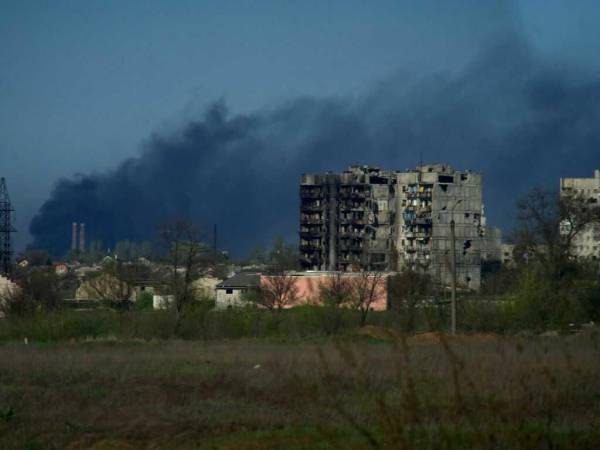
<point>308,290</point>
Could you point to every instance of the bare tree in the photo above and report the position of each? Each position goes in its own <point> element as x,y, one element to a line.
<point>112,286</point>
<point>186,256</point>
<point>277,291</point>
<point>548,225</point>
<point>366,288</point>
<point>406,290</point>
<point>335,290</point>
<point>34,290</point>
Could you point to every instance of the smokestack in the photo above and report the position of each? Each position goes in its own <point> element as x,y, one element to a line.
<point>81,237</point>
<point>74,237</point>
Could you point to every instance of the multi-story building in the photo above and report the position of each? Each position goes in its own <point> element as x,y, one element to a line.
<point>587,243</point>
<point>371,219</point>
<point>346,220</point>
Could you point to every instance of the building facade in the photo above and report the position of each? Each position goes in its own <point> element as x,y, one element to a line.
<point>371,219</point>
<point>587,243</point>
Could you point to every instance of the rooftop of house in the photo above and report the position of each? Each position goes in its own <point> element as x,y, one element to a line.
<point>240,280</point>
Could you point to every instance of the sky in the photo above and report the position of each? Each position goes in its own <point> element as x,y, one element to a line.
<point>87,85</point>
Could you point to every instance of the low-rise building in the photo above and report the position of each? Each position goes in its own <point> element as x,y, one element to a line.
<point>229,293</point>
<point>307,287</point>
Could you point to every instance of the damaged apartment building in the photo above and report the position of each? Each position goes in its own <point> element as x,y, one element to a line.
<point>587,243</point>
<point>379,220</point>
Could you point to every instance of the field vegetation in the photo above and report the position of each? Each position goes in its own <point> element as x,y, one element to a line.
<point>371,389</point>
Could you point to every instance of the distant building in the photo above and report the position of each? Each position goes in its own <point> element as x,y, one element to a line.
<point>61,269</point>
<point>307,285</point>
<point>7,288</point>
<point>371,219</point>
<point>508,258</point>
<point>105,286</point>
<point>587,243</point>
<point>229,292</point>
<point>205,287</point>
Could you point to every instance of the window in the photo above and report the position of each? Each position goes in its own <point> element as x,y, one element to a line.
<point>229,291</point>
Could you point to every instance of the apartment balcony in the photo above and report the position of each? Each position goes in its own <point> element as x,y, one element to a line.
<point>348,258</point>
<point>361,195</point>
<point>352,221</point>
<point>358,207</point>
<point>352,234</point>
<point>311,221</point>
<point>310,247</point>
<point>311,207</point>
<point>351,247</point>
<point>311,233</point>
<point>311,195</point>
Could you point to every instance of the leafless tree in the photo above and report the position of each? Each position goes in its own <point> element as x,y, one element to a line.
<point>548,225</point>
<point>34,290</point>
<point>406,290</point>
<point>366,288</point>
<point>186,257</point>
<point>335,290</point>
<point>111,285</point>
<point>277,291</point>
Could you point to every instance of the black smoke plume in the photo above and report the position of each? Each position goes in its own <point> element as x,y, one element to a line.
<point>519,118</point>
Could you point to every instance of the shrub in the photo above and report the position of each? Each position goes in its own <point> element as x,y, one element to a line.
<point>144,302</point>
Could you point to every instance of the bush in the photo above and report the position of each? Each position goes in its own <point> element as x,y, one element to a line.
<point>144,302</point>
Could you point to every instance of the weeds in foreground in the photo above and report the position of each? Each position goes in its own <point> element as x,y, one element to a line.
<point>413,392</point>
<point>457,403</point>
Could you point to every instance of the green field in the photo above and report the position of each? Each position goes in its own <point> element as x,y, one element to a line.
<point>371,389</point>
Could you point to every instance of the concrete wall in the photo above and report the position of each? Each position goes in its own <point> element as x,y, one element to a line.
<point>229,297</point>
<point>308,285</point>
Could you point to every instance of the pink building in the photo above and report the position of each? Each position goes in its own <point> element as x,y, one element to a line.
<point>308,284</point>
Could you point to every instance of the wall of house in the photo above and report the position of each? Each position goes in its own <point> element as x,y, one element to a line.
<point>308,288</point>
<point>225,299</point>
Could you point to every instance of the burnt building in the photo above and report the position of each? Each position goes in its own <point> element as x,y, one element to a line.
<point>367,218</point>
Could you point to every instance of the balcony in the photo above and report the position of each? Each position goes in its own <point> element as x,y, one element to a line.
<point>311,194</point>
<point>352,234</point>
<point>310,247</point>
<point>361,195</point>
<point>311,219</point>
<point>311,207</point>
<point>310,233</point>
<point>351,246</point>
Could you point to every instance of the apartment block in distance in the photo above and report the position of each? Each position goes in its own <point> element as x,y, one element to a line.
<point>346,220</point>
<point>587,243</point>
<point>429,198</point>
<point>371,219</point>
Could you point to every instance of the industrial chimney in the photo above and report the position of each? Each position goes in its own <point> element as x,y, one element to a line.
<point>74,237</point>
<point>81,237</point>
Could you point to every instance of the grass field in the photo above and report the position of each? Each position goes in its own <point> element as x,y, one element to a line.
<point>362,391</point>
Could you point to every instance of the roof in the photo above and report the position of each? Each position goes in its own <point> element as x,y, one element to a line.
<point>240,280</point>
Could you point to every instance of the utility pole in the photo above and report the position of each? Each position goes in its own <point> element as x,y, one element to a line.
<point>453,249</point>
<point>6,229</point>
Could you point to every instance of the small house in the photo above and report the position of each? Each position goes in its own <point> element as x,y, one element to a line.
<point>229,292</point>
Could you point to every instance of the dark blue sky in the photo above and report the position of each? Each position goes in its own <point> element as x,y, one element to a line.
<point>84,84</point>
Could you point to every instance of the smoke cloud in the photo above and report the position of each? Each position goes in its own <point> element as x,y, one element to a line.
<point>521,119</point>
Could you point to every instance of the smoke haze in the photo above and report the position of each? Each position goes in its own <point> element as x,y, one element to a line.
<point>522,119</point>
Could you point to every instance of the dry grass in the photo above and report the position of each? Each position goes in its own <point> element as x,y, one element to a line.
<point>423,392</point>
